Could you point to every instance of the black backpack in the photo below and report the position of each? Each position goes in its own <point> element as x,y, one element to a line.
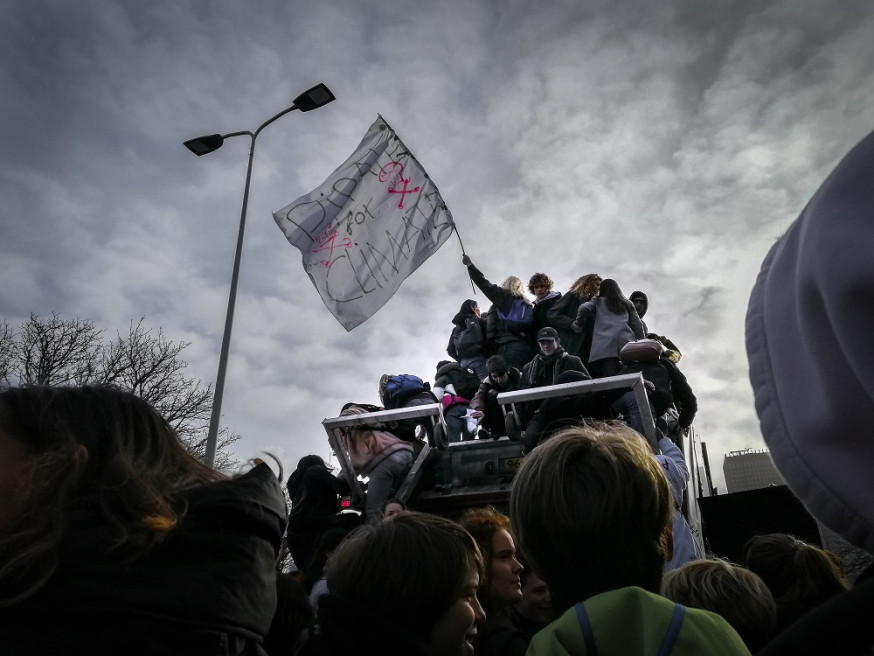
<point>464,380</point>
<point>469,340</point>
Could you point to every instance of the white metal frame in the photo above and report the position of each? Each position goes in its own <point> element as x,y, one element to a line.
<point>633,381</point>
<point>433,410</point>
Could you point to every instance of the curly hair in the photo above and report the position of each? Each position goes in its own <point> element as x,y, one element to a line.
<point>98,443</point>
<point>540,279</point>
<point>586,287</point>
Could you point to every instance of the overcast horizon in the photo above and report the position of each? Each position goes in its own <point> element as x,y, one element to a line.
<point>665,145</point>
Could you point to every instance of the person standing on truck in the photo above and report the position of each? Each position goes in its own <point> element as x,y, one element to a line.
<point>382,456</point>
<point>484,405</point>
<point>508,324</point>
<point>545,368</point>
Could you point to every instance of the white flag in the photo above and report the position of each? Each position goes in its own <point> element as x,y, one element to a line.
<point>373,222</point>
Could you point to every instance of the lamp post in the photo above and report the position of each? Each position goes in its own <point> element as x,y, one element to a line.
<point>310,99</point>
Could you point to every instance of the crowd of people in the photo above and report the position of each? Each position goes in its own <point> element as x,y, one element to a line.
<point>115,540</point>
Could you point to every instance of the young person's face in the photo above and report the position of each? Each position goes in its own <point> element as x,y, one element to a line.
<point>505,587</point>
<point>536,604</point>
<point>392,509</point>
<point>539,291</point>
<point>454,632</point>
<point>548,346</point>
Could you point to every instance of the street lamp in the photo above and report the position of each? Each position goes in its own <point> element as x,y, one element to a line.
<point>310,99</point>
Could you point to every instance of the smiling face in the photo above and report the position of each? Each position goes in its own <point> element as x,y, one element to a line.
<point>505,586</point>
<point>454,632</point>
<point>536,604</point>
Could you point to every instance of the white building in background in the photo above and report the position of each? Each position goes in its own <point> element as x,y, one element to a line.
<point>749,470</point>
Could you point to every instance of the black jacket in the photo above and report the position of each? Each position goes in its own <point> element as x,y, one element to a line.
<point>209,588</point>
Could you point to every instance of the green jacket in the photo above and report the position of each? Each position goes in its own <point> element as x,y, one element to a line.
<point>634,622</point>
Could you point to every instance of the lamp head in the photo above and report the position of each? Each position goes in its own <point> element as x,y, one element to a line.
<point>313,98</point>
<point>203,145</point>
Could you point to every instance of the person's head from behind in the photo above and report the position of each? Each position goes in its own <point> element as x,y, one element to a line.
<point>97,443</point>
<point>592,512</point>
<point>586,286</point>
<point>729,590</point>
<point>612,294</point>
<point>418,571</point>
<point>513,285</point>
<point>540,285</point>
<point>502,585</point>
<point>795,571</point>
<point>303,465</point>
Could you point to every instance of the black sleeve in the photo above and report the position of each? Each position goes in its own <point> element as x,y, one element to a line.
<point>683,396</point>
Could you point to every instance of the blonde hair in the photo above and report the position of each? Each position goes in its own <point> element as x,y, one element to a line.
<point>592,509</point>
<point>513,285</point>
<point>737,594</point>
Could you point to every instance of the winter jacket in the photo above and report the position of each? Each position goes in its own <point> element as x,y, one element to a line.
<point>610,331</point>
<point>489,389</point>
<point>671,388</point>
<point>543,370</point>
<point>497,330</point>
<point>472,347</point>
<point>634,621</point>
<point>367,447</point>
<point>808,334</point>
<point>560,316</point>
<point>686,548</point>
<point>349,629</point>
<point>209,588</point>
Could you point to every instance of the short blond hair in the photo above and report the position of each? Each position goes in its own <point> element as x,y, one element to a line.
<point>513,285</point>
<point>592,510</point>
<point>737,594</point>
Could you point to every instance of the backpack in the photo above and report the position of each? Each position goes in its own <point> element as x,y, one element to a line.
<point>469,341</point>
<point>518,319</point>
<point>464,380</point>
<point>396,390</point>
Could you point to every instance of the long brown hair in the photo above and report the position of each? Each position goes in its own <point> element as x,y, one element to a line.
<point>88,448</point>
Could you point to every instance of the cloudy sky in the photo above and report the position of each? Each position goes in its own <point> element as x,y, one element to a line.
<point>663,144</point>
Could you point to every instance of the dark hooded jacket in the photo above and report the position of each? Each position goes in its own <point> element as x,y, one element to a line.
<point>209,588</point>
<point>465,319</point>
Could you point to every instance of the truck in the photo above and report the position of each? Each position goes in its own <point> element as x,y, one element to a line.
<point>447,478</point>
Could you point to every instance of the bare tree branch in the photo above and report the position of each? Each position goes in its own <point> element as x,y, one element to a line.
<point>60,351</point>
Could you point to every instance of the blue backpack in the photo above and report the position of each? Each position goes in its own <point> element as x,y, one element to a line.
<point>518,319</point>
<point>396,391</point>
